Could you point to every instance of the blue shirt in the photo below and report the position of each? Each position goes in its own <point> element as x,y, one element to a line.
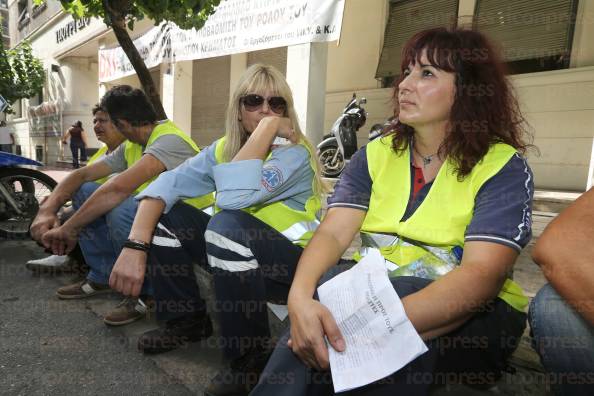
<point>502,208</point>
<point>285,176</point>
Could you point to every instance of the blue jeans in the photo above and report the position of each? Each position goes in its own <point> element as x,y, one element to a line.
<point>565,343</point>
<point>101,241</point>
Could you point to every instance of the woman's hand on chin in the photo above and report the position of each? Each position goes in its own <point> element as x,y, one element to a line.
<point>283,126</point>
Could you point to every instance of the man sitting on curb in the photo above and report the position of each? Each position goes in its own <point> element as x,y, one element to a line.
<point>106,133</point>
<point>104,213</point>
<point>562,313</point>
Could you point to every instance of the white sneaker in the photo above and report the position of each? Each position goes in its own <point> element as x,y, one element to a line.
<point>50,263</point>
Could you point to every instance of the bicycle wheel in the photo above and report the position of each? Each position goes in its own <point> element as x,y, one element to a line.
<point>26,188</point>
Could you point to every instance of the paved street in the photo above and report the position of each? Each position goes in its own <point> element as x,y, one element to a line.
<point>53,347</point>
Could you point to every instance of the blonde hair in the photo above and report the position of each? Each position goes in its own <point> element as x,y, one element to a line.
<point>257,79</point>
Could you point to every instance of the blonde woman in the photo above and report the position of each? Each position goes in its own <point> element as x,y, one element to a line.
<point>268,188</point>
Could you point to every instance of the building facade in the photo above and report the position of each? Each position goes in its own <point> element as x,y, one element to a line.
<point>545,44</point>
<point>4,18</point>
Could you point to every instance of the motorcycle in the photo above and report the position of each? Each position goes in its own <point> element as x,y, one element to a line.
<point>337,147</point>
<point>22,189</point>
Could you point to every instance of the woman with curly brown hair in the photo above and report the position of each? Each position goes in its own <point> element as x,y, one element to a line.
<point>445,196</point>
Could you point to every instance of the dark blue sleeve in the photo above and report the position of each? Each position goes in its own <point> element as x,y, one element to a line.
<point>353,190</point>
<point>503,207</point>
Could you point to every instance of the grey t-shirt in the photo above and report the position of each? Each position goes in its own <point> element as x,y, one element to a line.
<point>171,150</point>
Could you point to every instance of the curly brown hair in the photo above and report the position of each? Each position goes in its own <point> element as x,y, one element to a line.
<point>485,110</point>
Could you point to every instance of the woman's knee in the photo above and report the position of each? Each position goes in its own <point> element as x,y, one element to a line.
<point>236,225</point>
<point>550,314</point>
<point>228,245</point>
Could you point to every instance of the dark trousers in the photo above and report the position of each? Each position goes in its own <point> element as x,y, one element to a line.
<point>177,244</point>
<point>75,148</point>
<point>473,354</point>
<point>251,263</point>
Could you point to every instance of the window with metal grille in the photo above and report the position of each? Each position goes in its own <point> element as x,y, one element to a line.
<point>23,10</point>
<point>535,35</point>
<point>407,17</point>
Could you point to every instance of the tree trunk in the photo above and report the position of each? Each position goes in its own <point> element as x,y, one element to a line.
<point>119,28</point>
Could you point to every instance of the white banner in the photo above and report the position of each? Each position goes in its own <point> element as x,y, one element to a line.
<point>236,26</point>
<point>153,47</point>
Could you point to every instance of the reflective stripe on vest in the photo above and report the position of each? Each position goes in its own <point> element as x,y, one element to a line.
<point>296,225</point>
<point>133,152</point>
<point>298,230</point>
<point>377,240</point>
<point>423,245</point>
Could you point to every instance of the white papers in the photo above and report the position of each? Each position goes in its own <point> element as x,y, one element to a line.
<point>379,338</point>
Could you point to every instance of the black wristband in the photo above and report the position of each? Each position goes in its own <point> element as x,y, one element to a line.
<point>137,245</point>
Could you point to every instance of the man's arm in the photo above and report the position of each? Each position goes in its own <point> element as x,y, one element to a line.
<point>46,217</point>
<point>115,191</point>
<point>565,253</point>
<point>62,240</point>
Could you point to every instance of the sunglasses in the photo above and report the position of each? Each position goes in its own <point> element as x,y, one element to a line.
<point>253,102</point>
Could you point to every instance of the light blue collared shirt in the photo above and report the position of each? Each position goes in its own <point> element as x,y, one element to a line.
<point>285,176</point>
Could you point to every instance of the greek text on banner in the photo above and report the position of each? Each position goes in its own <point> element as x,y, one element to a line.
<point>236,26</point>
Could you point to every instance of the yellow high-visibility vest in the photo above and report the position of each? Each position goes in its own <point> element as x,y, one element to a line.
<point>296,225</point>
<point>133,153</point>
<point>425,244</point>
<point>101,152</point>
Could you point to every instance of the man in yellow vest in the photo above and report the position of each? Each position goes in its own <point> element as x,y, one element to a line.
<point>108,134</point>
<point>104,213</point>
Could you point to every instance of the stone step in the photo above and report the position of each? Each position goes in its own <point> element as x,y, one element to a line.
<point>553,201</point>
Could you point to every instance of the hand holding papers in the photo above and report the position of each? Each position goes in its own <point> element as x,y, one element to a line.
<point>379,337</point>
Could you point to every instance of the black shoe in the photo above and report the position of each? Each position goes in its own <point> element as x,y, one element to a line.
<point>240,376</point>
<point>176,333</point>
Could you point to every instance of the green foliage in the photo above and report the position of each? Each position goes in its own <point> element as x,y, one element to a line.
<point>21,73</point>
<point>184,13</point>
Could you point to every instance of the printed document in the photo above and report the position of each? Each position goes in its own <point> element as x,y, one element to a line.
<point>379,338</point>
